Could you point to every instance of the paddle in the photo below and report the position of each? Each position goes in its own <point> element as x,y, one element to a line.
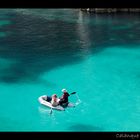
<point>72,93</point>
<point>76,95</point>
<point>51,111</point>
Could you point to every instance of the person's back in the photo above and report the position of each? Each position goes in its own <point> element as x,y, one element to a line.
<point>54,100</point>
<point>64,97</point>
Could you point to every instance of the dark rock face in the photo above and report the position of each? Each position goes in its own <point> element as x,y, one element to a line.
<point>110,10</point>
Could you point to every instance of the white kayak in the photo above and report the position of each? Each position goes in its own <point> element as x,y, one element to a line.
<point>44,100</point>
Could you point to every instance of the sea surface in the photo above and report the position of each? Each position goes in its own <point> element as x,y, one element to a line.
<point>43,51</point>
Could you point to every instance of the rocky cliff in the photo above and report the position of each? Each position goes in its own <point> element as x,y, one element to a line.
<point>110,10</point>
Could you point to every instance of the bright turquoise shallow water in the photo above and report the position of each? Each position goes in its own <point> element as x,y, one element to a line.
<point>45,50</point>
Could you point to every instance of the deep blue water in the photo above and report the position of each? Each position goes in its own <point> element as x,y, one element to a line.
<point>96,55</point>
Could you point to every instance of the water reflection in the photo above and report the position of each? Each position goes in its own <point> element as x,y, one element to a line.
<point>83,32</point>
<point>39,45</point>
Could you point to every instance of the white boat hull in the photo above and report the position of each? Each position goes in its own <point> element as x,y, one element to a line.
<point>43,101</point>
<point>48,104</point>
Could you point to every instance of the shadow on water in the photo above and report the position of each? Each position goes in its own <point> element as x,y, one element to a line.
<point>84,128</point>
<point>38,45</point>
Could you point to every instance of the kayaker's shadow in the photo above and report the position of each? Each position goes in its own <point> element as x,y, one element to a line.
<point>85,128</point>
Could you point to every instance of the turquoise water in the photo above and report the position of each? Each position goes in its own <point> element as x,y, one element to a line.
<point>96,55</point>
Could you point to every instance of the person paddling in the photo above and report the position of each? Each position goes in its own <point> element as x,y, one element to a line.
<point>64,98</point>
